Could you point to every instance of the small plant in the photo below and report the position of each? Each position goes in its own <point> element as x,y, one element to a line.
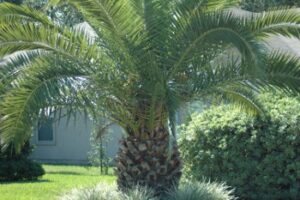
<point>98,156</point>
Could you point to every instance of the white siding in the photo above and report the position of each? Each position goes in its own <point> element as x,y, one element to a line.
<point>72,142</point>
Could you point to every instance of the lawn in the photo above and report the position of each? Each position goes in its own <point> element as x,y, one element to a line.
<point>57,180</point>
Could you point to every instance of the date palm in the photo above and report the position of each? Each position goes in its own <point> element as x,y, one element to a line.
<point>139,61</point>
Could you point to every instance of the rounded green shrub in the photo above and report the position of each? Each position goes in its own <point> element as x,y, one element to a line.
<point>22,169</point>
<point>259,157</point>
<point>15,167</point>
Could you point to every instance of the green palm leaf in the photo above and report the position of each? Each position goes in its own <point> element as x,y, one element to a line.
<point>14,13</point>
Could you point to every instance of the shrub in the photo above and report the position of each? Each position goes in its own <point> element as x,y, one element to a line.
<point>23,169</point>
<point>260,157</point>
<point>17,166</point>
<point>187,191</point>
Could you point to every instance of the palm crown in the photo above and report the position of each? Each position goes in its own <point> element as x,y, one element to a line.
<point>143,59</point>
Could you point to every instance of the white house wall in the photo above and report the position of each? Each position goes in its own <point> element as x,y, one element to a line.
<point>72,142</point>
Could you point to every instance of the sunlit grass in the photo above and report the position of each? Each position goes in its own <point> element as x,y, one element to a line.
<point>57,180</point>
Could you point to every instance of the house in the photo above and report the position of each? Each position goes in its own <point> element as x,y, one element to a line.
<point>68,140</point>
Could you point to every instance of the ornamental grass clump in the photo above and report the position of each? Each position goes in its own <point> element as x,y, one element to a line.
<point>139,193</point>
<point>109,192</point>
<point>99,192</point>
<point>202,191</point>
<point>187,191</point>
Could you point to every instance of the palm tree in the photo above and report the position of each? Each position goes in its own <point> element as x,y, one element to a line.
<point>142,60</point>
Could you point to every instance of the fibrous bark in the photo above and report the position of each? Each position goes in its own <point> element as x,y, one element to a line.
<point>148,161</point>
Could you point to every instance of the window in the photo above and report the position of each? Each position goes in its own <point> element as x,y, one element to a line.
<point>45,132</point>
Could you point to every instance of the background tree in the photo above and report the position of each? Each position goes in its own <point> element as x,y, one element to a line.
<point>261,5</point>
<point>137,62</point>
<point>18,2</point>
<point>65,15</point>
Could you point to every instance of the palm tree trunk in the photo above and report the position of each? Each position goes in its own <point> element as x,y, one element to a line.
<point>148,161</point>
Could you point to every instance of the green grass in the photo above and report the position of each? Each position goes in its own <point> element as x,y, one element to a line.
<point>57,180</point>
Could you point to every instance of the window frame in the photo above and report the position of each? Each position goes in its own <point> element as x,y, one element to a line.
<point>43,142</point>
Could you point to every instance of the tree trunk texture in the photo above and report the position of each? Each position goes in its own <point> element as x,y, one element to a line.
<point>148,161</point>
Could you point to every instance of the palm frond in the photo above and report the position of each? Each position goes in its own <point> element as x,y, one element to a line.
<point>29,36</point>
<point>118,17</point>
<point>231,83</point>
<point>190,7</point>
<point>40,86</point>
<point>208,33</point>
<point>13,13</point>
<point>241,97</point>
<point>117,23</point>
<point>283,72</point>
<point>276,22</point>
<point>11,66</point>
<point>157,28</point>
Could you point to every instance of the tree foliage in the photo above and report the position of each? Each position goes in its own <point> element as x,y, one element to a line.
<point>64,15</point>
<point>261,5</point>
<point>137,61</point>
